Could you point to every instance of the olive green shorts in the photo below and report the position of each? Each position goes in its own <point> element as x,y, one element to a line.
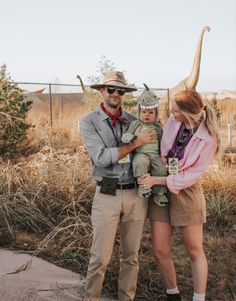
<point>185,209</point>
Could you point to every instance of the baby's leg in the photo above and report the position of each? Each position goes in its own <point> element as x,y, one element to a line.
<point>141,166</point>
<point>158,169</point>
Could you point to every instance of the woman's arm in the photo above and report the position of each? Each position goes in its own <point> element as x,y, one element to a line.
<point>147,181</point>
<point>185,178</point>
<point>189,176</point>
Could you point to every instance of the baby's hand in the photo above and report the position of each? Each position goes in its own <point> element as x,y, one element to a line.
<point>127,138</point>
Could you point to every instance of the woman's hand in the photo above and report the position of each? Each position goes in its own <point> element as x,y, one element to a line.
<point>146,181</point>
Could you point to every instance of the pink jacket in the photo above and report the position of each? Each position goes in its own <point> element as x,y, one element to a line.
<point>197,156</point>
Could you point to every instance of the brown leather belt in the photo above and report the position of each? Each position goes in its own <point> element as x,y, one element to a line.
<point>122,186</point>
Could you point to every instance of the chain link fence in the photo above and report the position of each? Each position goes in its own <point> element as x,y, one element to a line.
<point>53,102</point>
<point>57,105</point>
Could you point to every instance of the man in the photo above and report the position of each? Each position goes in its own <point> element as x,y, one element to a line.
<point>116,199</point>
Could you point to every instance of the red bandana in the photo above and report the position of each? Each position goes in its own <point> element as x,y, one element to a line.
<point>114,117</point>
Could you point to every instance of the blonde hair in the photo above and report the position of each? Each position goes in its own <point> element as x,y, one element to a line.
<point>191,105</point>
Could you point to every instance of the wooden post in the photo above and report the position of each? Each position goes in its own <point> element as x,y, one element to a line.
<point>229,143</point>
<point>50,103</point>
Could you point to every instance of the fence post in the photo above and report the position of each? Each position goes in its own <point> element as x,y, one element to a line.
<point>50,103</point>
<point>229,142</point>
<point>169,104</point>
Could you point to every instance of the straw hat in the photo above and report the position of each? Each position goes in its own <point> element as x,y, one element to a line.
<point>114,79</point>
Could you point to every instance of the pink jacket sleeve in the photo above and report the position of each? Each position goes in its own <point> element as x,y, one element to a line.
<point>191,174</point>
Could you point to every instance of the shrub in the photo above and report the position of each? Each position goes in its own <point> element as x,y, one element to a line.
<point>13,109</point>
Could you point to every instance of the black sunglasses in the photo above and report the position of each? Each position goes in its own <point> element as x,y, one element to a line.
<point>111,90</point>
<point>181,139</point>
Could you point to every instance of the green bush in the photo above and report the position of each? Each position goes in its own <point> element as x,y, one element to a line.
<point>13,109</point>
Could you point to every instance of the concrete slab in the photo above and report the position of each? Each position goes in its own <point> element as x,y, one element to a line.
<point>43,281</point>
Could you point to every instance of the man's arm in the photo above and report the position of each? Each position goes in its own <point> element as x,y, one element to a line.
<point>101,154</point>
<point>144,137</point>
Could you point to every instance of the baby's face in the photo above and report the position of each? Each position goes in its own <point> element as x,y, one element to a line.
<point>148,116</point>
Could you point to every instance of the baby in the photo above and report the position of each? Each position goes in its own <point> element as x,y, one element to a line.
<point>146,159</point>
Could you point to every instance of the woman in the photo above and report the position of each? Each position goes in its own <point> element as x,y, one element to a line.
<point>190,141</point>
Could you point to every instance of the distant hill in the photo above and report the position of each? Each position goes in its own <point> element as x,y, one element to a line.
<point>220,95</point>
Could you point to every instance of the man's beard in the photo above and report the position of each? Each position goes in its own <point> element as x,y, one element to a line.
<point>112,105</point>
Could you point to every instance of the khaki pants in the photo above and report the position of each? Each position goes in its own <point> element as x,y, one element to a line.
<point>107,211</point>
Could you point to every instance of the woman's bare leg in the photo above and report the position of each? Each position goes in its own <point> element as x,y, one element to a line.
<point>161,243</point>
<point>192,237</point>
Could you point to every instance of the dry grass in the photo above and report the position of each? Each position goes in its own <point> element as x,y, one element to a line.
<point>220,190</point>
<point>45,205</point>
<point>45,208</point>
<point>47,194</point>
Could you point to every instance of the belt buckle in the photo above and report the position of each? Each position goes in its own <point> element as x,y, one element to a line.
<point>126,186</point>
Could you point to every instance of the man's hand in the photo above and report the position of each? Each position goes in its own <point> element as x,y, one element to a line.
<point>145,137</point>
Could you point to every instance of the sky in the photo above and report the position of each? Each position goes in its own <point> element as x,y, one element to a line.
<point>152,41</point>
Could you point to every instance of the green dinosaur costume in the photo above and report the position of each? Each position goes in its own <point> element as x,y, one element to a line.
<point>146,159</point>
